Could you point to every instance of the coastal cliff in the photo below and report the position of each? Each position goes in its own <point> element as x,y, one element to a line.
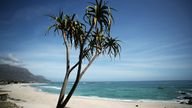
<point>20,74</point>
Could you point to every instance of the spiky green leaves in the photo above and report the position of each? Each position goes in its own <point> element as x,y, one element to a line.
<point>99,43</point>
<point>73,29</point>
<point>99,15</point>
<point>112,46</point>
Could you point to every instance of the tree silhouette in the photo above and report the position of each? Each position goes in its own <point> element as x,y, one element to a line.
<point>90,39</point>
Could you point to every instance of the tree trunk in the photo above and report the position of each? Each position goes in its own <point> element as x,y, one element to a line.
<point>65,82</point>
<point>70,93</point>
<point>77,78</point>
<point>62,92</point>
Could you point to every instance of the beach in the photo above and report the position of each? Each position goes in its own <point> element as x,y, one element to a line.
<point>30,97</point>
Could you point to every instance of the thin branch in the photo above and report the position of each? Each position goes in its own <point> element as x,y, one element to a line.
<point>88,34</point>
<point>73,67</point>
<point>67,51</point>
<point>70,70</point>
<point>90,62</point>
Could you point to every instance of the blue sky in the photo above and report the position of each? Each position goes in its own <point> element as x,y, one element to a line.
<point>156,35</point>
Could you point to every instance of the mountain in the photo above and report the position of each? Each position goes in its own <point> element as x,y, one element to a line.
<point>9,72</point>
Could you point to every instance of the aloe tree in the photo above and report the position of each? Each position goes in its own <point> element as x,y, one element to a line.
<point>90,39</point>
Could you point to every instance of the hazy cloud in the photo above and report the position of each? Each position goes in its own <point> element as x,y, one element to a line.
<point>10,59</point>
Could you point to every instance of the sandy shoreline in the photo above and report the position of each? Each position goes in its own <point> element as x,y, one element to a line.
<point>29,97</point>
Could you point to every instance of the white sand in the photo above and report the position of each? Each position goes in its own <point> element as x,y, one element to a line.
<point>32,98</point>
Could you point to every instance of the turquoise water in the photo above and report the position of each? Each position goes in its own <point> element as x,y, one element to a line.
<point>126,90</point>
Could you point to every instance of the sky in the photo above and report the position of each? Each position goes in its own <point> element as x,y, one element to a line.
<point>156,39</point>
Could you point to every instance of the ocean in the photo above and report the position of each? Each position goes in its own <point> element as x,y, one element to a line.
<point>126,90</point>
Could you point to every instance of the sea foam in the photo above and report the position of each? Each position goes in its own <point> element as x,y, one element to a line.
<point>51,87</point>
